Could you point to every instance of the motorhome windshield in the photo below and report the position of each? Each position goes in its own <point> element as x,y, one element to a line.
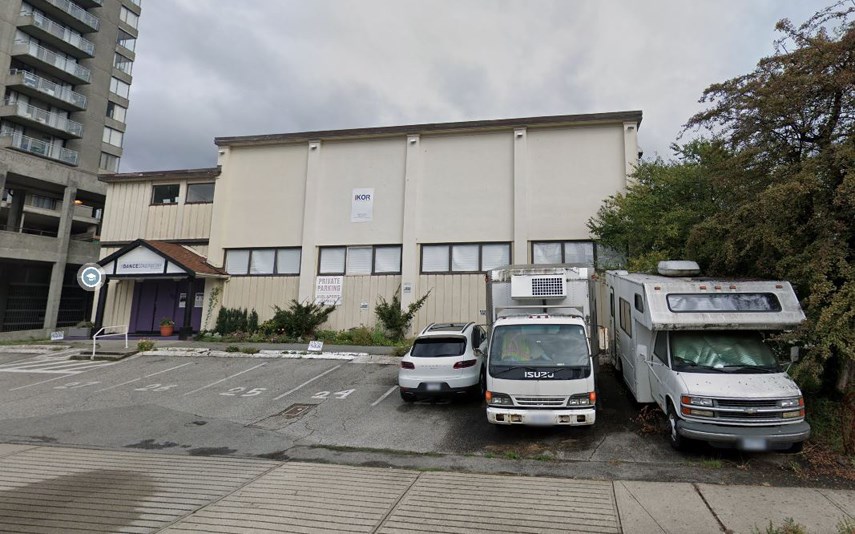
<point>725,351</point>
<point>539,345</point>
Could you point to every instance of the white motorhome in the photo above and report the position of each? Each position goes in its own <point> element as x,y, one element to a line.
<point>697,348</point>
<point>539,367</point>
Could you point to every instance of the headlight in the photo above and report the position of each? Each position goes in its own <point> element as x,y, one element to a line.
<point>580,400</point>
<point>696,401</point>
<point>791,403</point>
<point>499,399</point>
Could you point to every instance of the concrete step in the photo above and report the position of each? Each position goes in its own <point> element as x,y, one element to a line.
<point>103,354</point>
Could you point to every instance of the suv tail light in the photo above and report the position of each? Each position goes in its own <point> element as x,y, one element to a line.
<point>407,365</point>
<point>463,364</point>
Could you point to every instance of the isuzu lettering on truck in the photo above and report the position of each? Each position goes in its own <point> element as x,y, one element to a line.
<point>699,348</point>
<point>539,365</point>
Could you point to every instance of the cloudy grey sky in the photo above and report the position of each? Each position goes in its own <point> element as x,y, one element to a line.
<point>209,68</point>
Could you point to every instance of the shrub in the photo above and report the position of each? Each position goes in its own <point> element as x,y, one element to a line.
<point>360,336</point>
<point>299,321</point>
<point>252,322</point>
<point>232,348</point>
<point>145,345</point>
<point>231,320</point>
<point>394,319</point>
<point>249,350</point>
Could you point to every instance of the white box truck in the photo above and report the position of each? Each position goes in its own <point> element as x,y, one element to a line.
<point>698,348</point>
<point>539,366</point>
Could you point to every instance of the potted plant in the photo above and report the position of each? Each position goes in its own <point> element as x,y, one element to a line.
<point>167,327</point>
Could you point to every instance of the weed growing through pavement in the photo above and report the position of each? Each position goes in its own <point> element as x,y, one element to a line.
<point>145,345</point>
<point>788,527</point>
<point>711,463</point>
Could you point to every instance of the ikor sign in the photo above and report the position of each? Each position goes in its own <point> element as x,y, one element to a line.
<point>328,290</point>
<point>362,205</point>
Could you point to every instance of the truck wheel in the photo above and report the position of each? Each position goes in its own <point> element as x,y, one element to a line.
<point>676,440</point>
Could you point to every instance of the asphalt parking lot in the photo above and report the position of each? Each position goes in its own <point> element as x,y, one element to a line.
<point>252,406</point>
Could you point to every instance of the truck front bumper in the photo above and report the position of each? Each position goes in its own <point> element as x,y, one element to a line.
<point>757,438</point>
<point>529,416</point>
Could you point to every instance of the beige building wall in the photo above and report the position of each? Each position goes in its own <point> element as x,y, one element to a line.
<point>359,290</point>
<point>260,293</point>
<point>452,298</point>
<point>119,299</point>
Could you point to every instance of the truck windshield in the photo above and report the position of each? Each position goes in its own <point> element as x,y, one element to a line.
<point>438,347</point>
<point>726,351</point>
<point>539,345</point>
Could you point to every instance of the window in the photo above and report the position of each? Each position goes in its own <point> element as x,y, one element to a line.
<point>136,2</point>
<point>109,162</point>
<point>165,194</point>
<point>723,303</point>
<point>38,201</point>
<point>639,303</point>
<point>362,260</point>
<point>200,193</point>
<point>465,257</point>
<point>120,88</point>
<point>122,63</point>
<point>126,40</point>
<point>263,261</point>
<point>612,302</point>
<point>438,347</point>
<point>116,112</point>
<point>574,252</point>
<point>660,348</point>
<point>112,137</point>
<point>625,317</point>
<point>129,17</point>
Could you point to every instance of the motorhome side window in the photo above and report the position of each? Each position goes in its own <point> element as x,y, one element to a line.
<point>723,302</point>
<point>639,303</point>
<point>660,349</point>
<point>625,317</point>
<point>612,302</point>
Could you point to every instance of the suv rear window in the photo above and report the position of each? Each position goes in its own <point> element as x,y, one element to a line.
<point>438,347</point>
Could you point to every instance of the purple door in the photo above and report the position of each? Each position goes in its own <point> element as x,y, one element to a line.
<point>153,301</point>
<point>196,295</point>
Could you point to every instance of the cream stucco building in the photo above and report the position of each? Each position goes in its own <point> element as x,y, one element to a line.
<point>351,215</point>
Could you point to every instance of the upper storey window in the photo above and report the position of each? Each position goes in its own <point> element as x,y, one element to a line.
<point>129,17</point>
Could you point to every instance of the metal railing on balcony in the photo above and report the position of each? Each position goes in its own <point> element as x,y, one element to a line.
<point>41,148</point>
<point>58,30</point>
<point>48,87</point>
<point>58,61</point>
<point>54,120</point>
<point>77,12</point>
<point>31,231</point>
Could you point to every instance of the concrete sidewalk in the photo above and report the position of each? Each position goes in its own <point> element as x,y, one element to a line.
<point>67,489</point>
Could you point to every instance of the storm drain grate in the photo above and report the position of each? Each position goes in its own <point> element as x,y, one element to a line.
<point>285,417</point>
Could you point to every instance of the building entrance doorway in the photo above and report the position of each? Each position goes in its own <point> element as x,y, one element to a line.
<point>155,300</point>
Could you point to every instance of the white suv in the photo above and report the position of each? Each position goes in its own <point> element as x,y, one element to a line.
<point>446,359</point>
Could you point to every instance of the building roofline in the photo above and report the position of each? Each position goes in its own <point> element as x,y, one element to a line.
<point>443,127</point>
<point>179,174</point>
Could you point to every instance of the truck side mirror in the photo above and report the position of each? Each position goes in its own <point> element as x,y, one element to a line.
<point>794,354</point>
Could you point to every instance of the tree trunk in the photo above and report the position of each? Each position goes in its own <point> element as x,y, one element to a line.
<point>846,378</point>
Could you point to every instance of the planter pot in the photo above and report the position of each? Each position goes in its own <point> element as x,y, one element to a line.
<point>166,331</point>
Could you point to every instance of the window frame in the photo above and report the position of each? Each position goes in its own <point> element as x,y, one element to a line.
<point>450,255</point>
<point>664,335</point>
<point>187,194</point>
<point>110,133</point>
<point>373,272</point>
<point>275,251</point>
<point>625,313</point>
<point>108,155</point>
<point>638,302</point>
<point>119,83</point>
<point>563,243</point>
<point>177,196</point>
<point>118,60</point>
<point>114,105</point>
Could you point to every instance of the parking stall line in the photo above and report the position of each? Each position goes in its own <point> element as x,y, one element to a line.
<point>42,382</point>
<point>224,379</point>
<point>145,376</point>
<point>307,382</point>
<point>381,399</point>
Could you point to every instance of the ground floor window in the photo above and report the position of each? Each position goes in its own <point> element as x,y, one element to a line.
<point>263,261</point>
<point>464,257</point>
<point>360,260</point>
<point>575,252</point>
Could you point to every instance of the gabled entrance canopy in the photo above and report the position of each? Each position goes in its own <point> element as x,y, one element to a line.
<point>174,265</point>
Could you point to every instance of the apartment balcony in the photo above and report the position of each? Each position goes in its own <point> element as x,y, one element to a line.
<point>50,209</point>
<point>69,13</point>
<point>55,34</point>
<point>38,147</point>
<point>86,4</point>
<point>54,94</point>
<point>51,62</point>
<point>31,116</point>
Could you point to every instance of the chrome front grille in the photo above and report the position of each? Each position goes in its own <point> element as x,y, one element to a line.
<point>738,403</point>
<point>541,402</point>
<point>744,411</point>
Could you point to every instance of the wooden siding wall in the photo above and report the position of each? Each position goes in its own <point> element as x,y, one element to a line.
<point>454,297</point>
<point>258,292</point>
<point>129,215</point>
<point>355,291</point>
<point>119,300</point>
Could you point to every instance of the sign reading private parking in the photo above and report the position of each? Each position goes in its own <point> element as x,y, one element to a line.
<point>328,290</point>
<point>91,276</point>
<point>362,205</point>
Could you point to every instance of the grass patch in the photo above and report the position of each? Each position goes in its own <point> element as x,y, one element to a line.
<point>31,341</point>
<point>232,348</point>
<point>789,526</point>
<point>512,455</point>
<point>711,463</point>
<point>249,350</point>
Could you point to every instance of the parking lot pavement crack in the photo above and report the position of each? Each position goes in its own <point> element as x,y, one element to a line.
<point>396,503</point>
<point>834,503</point>
<point>634,498</point>
<point>715,515</point>
<point>591,457</point>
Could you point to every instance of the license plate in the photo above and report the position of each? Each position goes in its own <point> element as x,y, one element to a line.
<point>537,418</point>
<point>754,444</point>
<point>433,387</point>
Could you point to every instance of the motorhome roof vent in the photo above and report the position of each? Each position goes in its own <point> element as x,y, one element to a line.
<point>678,268</point>
<point>539,287</point>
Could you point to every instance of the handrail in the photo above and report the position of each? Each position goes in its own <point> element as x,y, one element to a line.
<point>99,334</point>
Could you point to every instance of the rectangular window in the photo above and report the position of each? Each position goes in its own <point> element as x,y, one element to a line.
<point>639,303</point>
<point>165,194</point>
<point>128,17</point>
<point>120,88</point>
<point>200,193</point>
<point>660,348</point>
<point>625,317</point>
<point>112,137</point>
<point>465,257</point>
<point>361,260</point>
<point>116,112</point>
<point>122,63</point>
<point>126,40</point>
<point>288,261</point>
<point>237,261</point>
<point>262,261</point>
<point>723,303</point>
<point>109,162</point>
<point>572,252</point>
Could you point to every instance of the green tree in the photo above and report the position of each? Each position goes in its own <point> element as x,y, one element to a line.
<point>395,320</point>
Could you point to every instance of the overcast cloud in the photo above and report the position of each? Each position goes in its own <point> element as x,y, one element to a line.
<point>212,68</point>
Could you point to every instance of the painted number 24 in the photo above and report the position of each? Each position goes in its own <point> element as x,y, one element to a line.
<point>337,394</point>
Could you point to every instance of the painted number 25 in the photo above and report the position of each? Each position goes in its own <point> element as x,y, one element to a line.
<point>243,392</point>
<point>337,394</point>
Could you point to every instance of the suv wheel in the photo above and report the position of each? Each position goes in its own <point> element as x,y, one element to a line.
<point>408,397</point>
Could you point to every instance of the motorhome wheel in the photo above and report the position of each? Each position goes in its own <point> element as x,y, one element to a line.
<point>674,438</point>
